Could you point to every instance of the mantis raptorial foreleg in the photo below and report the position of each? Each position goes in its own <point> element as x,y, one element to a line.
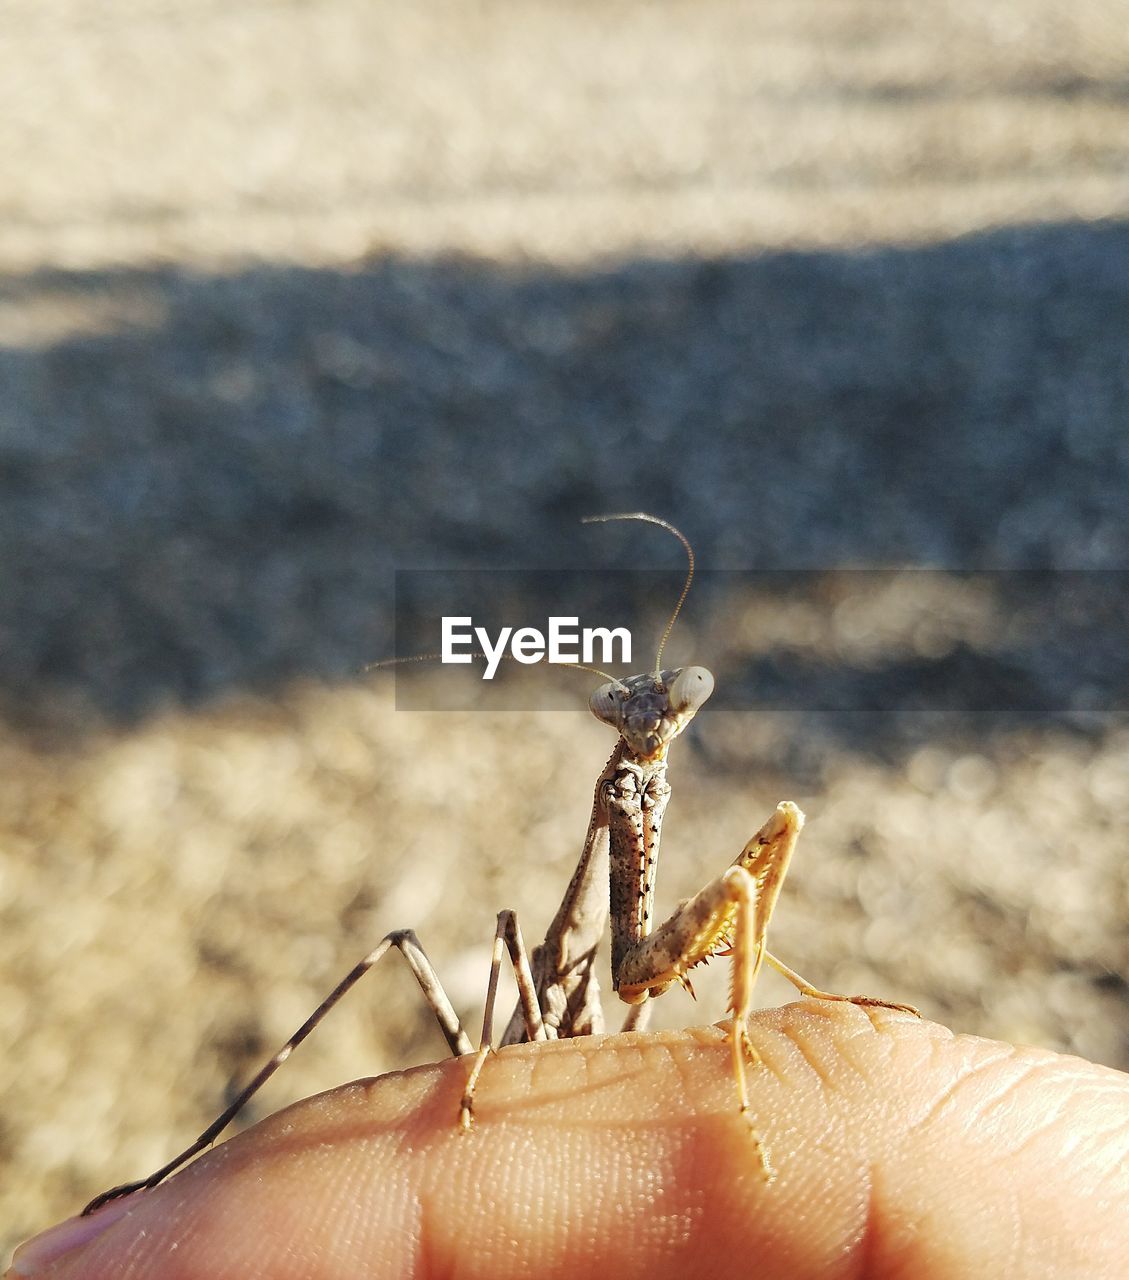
<point>728,917</point>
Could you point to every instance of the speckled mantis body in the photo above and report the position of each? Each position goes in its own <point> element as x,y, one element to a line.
<point>615,876</point>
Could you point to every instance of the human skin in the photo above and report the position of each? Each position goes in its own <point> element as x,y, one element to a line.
<point>900,1150</point>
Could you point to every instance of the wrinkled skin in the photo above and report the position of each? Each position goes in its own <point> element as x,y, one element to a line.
<point>902,1151</point>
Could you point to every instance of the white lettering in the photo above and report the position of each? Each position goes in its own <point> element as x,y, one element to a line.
<point>451,638</point>
<point>607,637</point>
<point>493,655</point>
<point>528,645</point>
<point>559,636</point>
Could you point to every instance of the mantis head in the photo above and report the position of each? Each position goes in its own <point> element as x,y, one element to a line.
<point>650,711</point>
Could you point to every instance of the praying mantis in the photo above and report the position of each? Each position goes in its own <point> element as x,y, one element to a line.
<point>614,878</point>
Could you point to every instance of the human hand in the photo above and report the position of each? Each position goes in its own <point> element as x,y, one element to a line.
<point>901,1151</point>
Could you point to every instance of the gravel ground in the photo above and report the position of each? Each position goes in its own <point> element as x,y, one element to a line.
<point>296,295</point>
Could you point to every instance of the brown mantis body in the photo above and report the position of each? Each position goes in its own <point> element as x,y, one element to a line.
<point>615,876</point>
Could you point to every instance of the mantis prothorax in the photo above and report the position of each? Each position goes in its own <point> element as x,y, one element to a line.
<point>615,876</point>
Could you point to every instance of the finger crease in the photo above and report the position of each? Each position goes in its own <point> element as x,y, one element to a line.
<point>965,1078</point>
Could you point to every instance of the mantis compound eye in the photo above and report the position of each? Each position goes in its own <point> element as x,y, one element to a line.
<point>689,689</point>
<point>606,703</point>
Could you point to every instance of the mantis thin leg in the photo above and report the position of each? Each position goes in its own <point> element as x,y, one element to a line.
<point>408,945</point>
<point>638,1016</point>
<point>563,966</point>
<point>805,988</point>
<point>507,937</point>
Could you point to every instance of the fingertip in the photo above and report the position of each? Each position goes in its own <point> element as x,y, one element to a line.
<point>33,1256</point>
<point>899,1148</point>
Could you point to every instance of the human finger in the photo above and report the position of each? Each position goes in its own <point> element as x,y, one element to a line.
<point>899,1149</point>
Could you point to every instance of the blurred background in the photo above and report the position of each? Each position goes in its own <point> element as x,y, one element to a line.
<point>295,295</point>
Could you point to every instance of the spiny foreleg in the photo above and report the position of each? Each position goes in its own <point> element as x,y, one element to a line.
<point>729,916</point>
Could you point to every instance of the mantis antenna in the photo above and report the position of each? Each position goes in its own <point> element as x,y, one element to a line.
<point>646,518</point>
<point>477,653</point>
<point>663,524</point>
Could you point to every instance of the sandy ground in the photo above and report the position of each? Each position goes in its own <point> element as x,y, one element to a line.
<point>296,295</point>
